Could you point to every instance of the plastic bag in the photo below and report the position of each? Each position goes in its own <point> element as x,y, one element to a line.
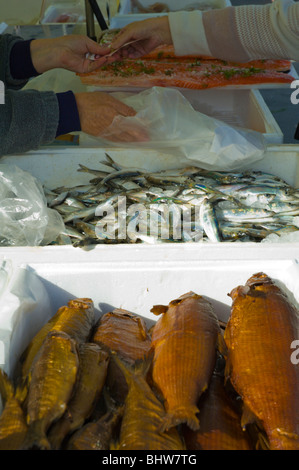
<point>25,219</point>
<point>25,307</point>
<point>172,123</point>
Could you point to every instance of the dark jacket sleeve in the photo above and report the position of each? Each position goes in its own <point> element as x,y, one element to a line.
<point>29,118</point>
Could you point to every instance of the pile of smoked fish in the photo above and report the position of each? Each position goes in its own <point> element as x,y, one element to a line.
<point>187,382</point>
<point>163,68</point>
<point>128,205</point>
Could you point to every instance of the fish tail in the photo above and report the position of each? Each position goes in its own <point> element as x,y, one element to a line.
<point>36,438</point>
<point>181,415</point>
<point>6,387</point>
<point>140,367</point>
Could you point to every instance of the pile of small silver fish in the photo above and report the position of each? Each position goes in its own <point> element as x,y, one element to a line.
<point>129,205</point>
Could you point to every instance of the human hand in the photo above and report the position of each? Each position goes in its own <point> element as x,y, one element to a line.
<point>67,52</point>
<point>97,110</point>
<point>148,35</point>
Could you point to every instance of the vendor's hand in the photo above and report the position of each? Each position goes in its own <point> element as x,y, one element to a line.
<point>97,110</point>
<point>150,34</point>
<point>67,52</point>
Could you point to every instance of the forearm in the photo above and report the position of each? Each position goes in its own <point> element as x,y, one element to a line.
<point>28,119</point>
<point>240,33</point>
<point>7,44</point>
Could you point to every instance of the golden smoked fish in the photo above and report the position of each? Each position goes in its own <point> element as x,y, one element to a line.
<point>123,332</point>
<point>96,435</point>
<point>126,334</point>
<point>262,326</point>
<point>93,365</point>
<point>220,422</point>
<point>76,319</point>
<point>144,414</point>
<point>13,426</point>
<point>53,378</point>
<point>184,340</point>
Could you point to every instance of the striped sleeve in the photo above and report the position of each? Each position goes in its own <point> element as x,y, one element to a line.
<point>240,33</point>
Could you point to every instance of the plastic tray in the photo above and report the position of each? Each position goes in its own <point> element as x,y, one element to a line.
<point>127,15</point>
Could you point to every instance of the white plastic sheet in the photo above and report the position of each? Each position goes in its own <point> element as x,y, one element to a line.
<point>25,307</point>
<point>172,123</point>
<point>25,219</point>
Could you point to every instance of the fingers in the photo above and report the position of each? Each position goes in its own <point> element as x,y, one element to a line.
<point>98,110</point>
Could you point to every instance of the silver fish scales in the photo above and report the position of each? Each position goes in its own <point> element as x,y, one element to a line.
<point>217,201</point>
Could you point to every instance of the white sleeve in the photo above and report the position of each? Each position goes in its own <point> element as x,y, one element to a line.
<point>239,33</point>
<point>188,33</point>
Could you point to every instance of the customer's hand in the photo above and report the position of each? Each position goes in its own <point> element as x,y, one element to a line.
<point>67,52</point>
<point>148,35</point>
<point>97,110</point>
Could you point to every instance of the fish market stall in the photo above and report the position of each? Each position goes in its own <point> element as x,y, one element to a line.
<point>144,272</point>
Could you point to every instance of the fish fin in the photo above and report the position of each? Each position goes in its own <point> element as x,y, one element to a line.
<point>221,345</point>
<point>158,309</point>
<point>262,442</point>
<point>140,367</point>
<point>83,168</point>
<point>114,445</point>
<point>248,417</point>
<point>179,416</point>
<point>22,389</point>
<point>142,329</point>
<point>36,438</point>
<point>7,390</point>
<point>227,370</point>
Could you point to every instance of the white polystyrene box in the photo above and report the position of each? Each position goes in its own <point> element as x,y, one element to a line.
<point>136,283</point>
<point>174,5</point>
<point>127,14</point>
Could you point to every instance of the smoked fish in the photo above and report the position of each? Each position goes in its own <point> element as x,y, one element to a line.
<point>262,325</point>
<point>13,426</point>
<point>184,341</point>
<point>126,334</point>
<point>144,414</point>
<point>96,435</point>
<point>53,378</point>
<point>76,319</point>
<point>93,365</point>
<point>220,422</point>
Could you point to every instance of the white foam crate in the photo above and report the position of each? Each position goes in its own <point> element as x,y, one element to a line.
<point>51,10</point>
<point>58,167</point>
<point>127,14</point>
<point>136,284</point>
<point>243,107</point>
